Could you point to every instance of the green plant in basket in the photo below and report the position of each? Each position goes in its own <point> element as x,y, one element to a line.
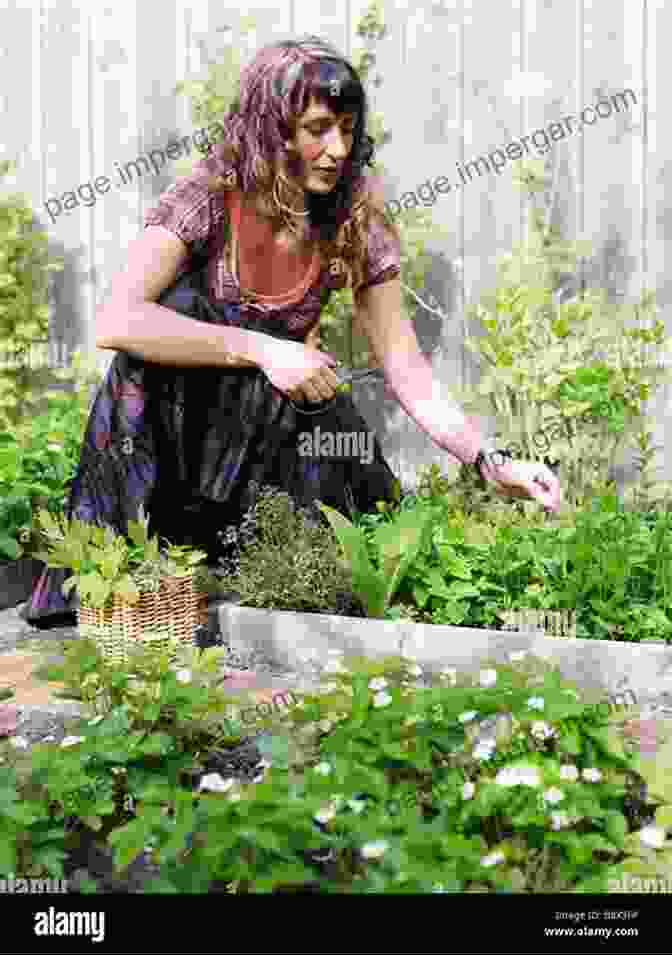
<point>104,563</point>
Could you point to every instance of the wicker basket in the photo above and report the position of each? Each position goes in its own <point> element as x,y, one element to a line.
<point>175,611</point>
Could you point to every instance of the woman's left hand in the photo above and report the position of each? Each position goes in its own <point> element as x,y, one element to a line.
<point>525,479</point>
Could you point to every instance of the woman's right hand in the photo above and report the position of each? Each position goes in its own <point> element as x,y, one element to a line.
<point>300,372</point>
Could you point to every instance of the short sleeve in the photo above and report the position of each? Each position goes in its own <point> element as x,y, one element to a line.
<point>187,208</point>
<point>183,209</point>
<point>384,249</point>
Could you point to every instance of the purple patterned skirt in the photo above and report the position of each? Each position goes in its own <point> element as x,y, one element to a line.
<point>187,442</point>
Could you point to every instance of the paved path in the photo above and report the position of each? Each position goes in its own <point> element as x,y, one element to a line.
<point>34,711</point>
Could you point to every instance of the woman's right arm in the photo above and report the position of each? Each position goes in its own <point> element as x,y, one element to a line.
<point>131,321</point>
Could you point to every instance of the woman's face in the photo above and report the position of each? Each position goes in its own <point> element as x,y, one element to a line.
<point>322,143</point>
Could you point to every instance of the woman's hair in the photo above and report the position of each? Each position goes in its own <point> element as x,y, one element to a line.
<point>274,90</point>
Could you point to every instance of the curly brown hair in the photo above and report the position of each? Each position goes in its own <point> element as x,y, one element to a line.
<point>275,89</point>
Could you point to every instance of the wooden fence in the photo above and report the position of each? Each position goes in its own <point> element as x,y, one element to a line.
<point>86,87</point>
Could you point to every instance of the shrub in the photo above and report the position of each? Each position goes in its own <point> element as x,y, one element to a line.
<point>284,558</point>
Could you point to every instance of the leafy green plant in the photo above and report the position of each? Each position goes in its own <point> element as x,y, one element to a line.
<point>551,363</point>
<point>15,520</point>
<point>24,313</point>
<point>608,565</point>
<point>39,459</point>
<point>105,564</point>
<point>397,543</point>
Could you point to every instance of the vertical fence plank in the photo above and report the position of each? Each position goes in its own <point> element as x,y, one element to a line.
<point>493,117</point>
<point>614,204</point>
<point>657,228</point>
<point>116,144</point>
<point>61,205</point>
<point>550,61</point>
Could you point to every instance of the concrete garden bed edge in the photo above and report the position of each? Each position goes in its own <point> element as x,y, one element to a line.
<point>301,641</point>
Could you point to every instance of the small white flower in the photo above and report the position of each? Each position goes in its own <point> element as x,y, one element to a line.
<point>653,837</point>
<point>450,673</point>
<point>484,750</point>
<point>507,777</point>
<point>492,859</point>
<point>569,772</point>
<point>71,741</point>
<point>356,805</point>
<point>591,774</point>
<point>541,730</point>
<point>184,676</point>
<point>216,783</point>
<point>536,703</point>
<point>382,700</point>
<point>117,770</point>
<point>553,795</point>
<point>530,777</point>
<point>19,742</point>
<point>467,716</point>
<point>518,776</point>
<point>323,768</point>
<point>329,688</point>
<point>487,678</point>
<point>378,683</point>
<point>516,656</point>
<point>468,790</point>
<point>325,815</point>
<point>334,667</point>
<point>374,850</point>
<point>559,820</point>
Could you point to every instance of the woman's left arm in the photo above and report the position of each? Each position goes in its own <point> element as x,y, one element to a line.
<point>412,380</point>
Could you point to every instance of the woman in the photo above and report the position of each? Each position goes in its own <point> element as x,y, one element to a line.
<point>287,216</point>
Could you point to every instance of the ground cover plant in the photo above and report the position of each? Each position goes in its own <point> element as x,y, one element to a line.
<point>378,782</point>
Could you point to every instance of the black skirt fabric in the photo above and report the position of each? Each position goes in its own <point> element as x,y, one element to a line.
<point>187,442</point>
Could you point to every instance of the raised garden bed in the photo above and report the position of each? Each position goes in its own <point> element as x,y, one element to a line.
<point>378,783</point>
